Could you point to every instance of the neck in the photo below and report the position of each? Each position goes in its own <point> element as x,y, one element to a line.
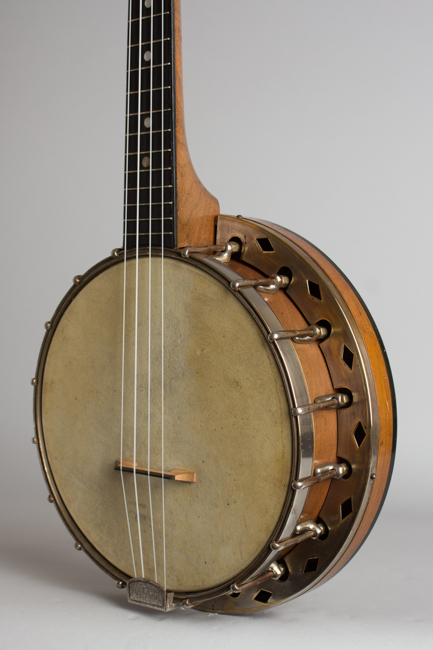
<point>150,173</point>
<point>165,203</point>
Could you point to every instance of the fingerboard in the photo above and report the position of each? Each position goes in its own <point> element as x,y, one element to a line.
<point>150,182</point>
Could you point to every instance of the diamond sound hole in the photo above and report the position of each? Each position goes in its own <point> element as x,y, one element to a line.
<point>346,508</point>
<point>263,596</point>
<point>359,434</point>
<point>311,565</point>
<point>265,245</point>
<point>314,290</point>
<point>347,357</point>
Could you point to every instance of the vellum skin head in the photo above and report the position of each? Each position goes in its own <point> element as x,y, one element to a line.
<point>226,417</point>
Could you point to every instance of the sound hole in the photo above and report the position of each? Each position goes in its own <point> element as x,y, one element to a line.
<point>314,290</point>
<point>359,434</point>
<point>263,596</point>
<point>311,565</point>
<point>347,357</point>
<point>265,245</point>
<point>234,595</point>
<point>346,508</point>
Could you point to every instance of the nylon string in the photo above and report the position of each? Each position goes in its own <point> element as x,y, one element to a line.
<point>124,304</point>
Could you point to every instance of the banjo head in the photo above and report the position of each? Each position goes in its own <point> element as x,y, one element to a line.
<point>225,417</point>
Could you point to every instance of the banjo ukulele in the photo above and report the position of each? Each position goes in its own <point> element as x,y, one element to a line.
<point>214,409</point>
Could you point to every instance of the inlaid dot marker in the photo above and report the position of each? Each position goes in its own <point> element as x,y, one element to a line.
<point>147,55</point>
<point>147,122</point>
<point>148,4</point>
<point>145,161</point>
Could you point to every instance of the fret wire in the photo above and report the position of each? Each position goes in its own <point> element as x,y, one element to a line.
<point>135,92</point>
<point>158,169</point>
<point>159,110</point>
<point>147,132</point>
<point>157,40</point>
<point>149,67</point>
<point>154,187</point>
<point>134,205</point>
<point>147,219</point>
<point>164,13</point>
<point>154,151</point>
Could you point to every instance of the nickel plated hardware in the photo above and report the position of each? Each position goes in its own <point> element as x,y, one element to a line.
<point>322,473</point>
<point>224,251</point>
<point>34,381</point>
<point>304,531</point>
<point>181,475</point>
<point>264,285</point>
<point>323,402</point>
<point>149,593</point>
<point>273,573</point>
<point>311,333</point>
<point>47,326</point>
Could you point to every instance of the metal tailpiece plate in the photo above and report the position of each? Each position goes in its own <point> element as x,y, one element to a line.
<point>149,594</point>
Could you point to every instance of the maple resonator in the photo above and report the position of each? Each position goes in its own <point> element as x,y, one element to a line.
<point>214,408</point>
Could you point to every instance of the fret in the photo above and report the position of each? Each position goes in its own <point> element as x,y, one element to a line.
<point>148,67</point>
<point>155,187</point>
<point>155,40</point>
<point>148,132</point>
<point>133,92</point>
<point>133,20</point>
<point>160,169</point>
<point>129,205</point>
<point>165,110</point>
<point>130,135</point>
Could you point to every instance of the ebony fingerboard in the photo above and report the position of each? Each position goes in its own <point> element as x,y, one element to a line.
<point>150,182</point>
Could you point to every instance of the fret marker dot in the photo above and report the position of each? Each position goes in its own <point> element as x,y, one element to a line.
<point>147,122</point>
<point>148,4</point>
<point>146,161</point>
<point>147,55</point>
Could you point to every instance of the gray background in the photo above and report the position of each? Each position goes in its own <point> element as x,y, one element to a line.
<point>314,114</point>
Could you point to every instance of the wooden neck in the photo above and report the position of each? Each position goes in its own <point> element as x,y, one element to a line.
<point>165,203</point>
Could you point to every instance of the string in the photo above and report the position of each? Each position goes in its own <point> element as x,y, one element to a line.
<point>162,292</point>
<point>150,286</point>
<point>124,298</point>
<point>136,292</point>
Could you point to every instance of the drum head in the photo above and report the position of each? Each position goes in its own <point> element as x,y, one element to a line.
<point>222,412</point>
